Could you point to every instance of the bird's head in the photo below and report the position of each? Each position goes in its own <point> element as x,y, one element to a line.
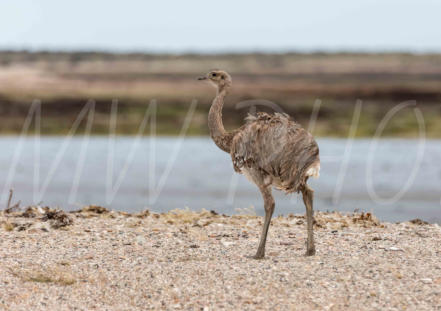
<point>219,78</point>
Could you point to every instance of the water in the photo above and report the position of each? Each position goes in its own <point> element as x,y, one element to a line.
<point>166,173</point>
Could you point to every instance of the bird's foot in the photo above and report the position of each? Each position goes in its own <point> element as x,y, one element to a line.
<point>257,256</point>
<point>310,252</point>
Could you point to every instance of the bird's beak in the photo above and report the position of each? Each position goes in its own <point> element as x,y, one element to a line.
<point>203,78</point>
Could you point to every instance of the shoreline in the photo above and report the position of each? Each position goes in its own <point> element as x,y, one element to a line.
<point>97,259</point>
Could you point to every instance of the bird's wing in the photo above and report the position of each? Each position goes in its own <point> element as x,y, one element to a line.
<point>276,146</point>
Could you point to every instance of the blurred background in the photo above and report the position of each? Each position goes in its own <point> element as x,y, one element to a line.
<point>314,60</point>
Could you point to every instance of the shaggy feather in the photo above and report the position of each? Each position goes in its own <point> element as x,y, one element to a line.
<point>278,147</point>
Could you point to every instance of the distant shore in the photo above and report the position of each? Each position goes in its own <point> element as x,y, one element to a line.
<point>100,259</point>
<point>327,85</point>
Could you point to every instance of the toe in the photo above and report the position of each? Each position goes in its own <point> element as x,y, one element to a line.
<point>310,252</point>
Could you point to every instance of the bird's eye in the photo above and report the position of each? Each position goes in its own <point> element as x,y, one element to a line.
<point>213,74</point>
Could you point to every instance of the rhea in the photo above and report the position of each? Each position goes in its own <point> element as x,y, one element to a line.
<point>271,150</point>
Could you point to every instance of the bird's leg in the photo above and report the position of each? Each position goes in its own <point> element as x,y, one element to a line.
<point>269,209</point>
<point>307,199</point>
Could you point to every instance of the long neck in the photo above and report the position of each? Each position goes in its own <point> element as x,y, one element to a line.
<point>217,131</point>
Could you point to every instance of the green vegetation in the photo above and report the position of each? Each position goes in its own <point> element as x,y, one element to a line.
<point>39,274</point>
<point>64,82</point>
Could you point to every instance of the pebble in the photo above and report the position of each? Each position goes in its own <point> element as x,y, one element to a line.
<point>227,244</point>
<point>393,248</point>
<point>184,267</point>
<point>140,240</point>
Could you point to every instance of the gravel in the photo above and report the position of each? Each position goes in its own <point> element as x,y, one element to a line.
<point>96,259</point>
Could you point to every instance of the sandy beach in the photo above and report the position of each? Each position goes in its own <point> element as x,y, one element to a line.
<point>95,259</point>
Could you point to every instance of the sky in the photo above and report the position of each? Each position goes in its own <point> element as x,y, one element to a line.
<point>222,25</point>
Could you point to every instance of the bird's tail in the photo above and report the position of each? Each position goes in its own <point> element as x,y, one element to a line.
<point>314,170</point>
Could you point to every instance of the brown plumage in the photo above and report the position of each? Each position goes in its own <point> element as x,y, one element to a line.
<point>271,151</point>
